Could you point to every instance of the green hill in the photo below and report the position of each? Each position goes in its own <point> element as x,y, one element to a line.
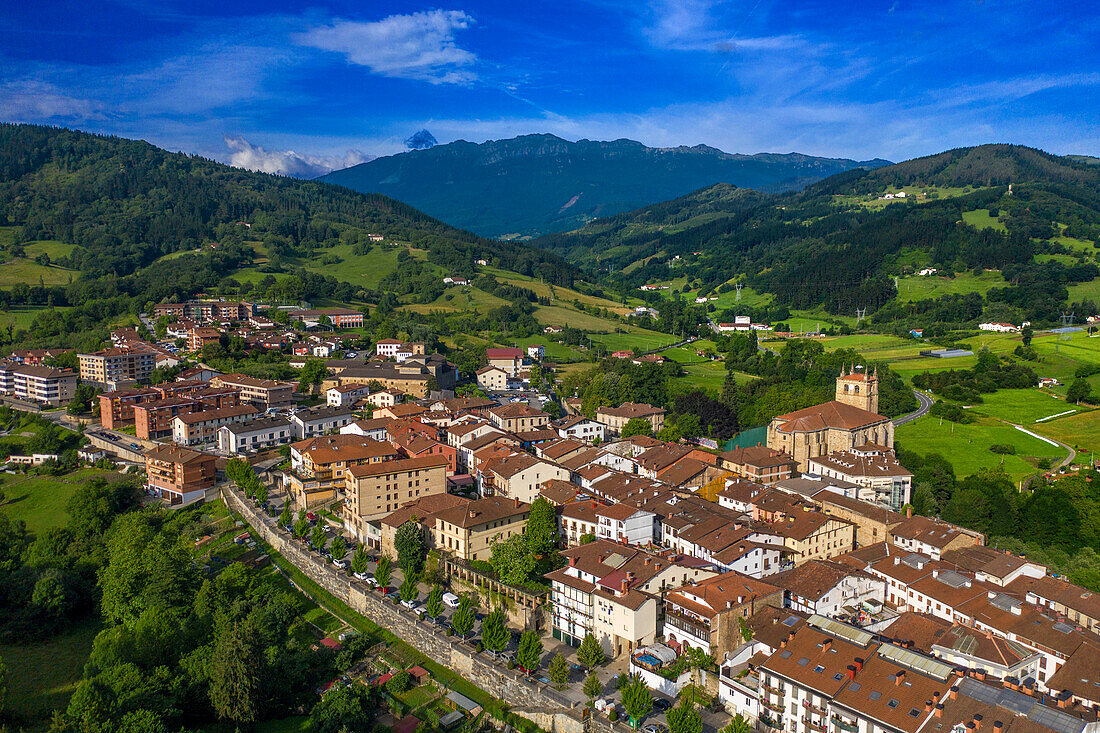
<point>839,243</point>
<point>534,184</point>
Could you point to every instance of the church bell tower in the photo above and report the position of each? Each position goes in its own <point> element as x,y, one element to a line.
<point>858,388</point>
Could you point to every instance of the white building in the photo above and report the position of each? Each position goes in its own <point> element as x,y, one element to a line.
<point>319,420</point>
<point>254,435</point>
<point>998,327</point>
<point>624,524</point>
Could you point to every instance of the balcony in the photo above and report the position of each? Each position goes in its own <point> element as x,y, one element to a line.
<point>697,628</point>
<point>770,723</point>
<point>773,690</point>
<point>812,725</point>
<point>813,708</point>
<point>775,707</point>
<point>844,725</point>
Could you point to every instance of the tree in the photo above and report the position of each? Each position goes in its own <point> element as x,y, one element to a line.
<point>512,561</point>
<point>3,686</point>
<point>541,532</point>
<point>494,631</point>
<point>408,590</point>
<point>301,527</point>
<point>399,683</point>
<point>559,668</point>
<point>382,573</point>
<point>698,659</point>
<point>684,718</point>
<point>360,560</point>
<point>341,708</point>
<point>339,547</point>
<point>286,517</point>
<point>1078,392</point>
<point>590,653</point>
<point>464,616</point>
<point>636,426</point>
<point>1026,334</point>
<point>637,699</point>
<point>592,686</point>
<point>434,605</point>
<point>318,536</point>
<point>261,492</point>
<point>409,542</point>
<point>529,654</point>
<point>235,674</point>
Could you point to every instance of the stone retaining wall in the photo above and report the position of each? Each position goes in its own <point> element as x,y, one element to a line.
<point>429,639</point>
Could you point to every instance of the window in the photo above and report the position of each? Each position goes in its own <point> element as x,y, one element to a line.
<point>892,704</point>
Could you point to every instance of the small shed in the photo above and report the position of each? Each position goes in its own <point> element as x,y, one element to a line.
<point>419,674</point>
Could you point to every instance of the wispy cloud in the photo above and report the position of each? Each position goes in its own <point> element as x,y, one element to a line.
<point>415,46</point>
<point>692,25</point>
<point>287,162</point>
<point>35,100</point>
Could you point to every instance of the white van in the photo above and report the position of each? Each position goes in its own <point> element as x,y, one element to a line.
<point>451,600</point>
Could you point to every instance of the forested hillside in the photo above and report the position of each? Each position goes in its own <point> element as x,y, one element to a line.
<point>840,243</point>
<point>535,184</point>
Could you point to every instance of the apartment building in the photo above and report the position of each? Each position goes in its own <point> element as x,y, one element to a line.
<point>413,376</point>
<point>509,360</point>
<point>422,511</point>
<point>179,475</point>
<point>317,465</point>
<point>580,427</point>
<point>615,418</point>
<point>759,463</point>
<point>40,384</point>
<point>262,393</point>
<point>705,615</point>
<point>195,428</point>
<point>373,489</point>
<point>468,531</point>
<point>492,379</point>
<point>319,420</point>
<point>110,367</point>
<point>205,311</point>
<point>517,417</point>
<point>338,317</point>
<point>153,420</point>
<point>518,476</point>
<point>873,468</point>
<point>804,532</point>
<point>932,537</point>
<point>254,435</point>
<point>347,395</point>
<point>116,408</point>
<point>200,336</point>
<point>829,588</point>
<point>615,593</point>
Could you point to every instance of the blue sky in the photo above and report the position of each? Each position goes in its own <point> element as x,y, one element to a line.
<point>302,88</point>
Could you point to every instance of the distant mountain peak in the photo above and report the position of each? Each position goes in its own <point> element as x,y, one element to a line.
<point>421,140</point>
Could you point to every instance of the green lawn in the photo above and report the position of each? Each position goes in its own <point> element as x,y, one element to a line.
<point>554,351</point>
<point>52,247</point>
<point>966,447</point>
<point>916,287</point>
<point>637,340</point>
<point>43,675</point>
<point>554,292</point>
<point>40,500</point>
<point>1085,291</point>
<point>708,376</point>
<point>456,299</point>
<point>366,270</point>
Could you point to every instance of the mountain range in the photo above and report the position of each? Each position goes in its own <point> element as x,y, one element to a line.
<point>537,184</point>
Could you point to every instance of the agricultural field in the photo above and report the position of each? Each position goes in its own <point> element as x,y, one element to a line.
<point>723,301</point>
<point>51,247</point>
<point>555,352</point>
<point>914,195</point>
<point>563,315</point>
<point>47,671</point>
<point>707,375</point>
<point>1022,406</point>
<point>1085,291</point>
<point>966,447</point>
<point>915,287</point>
<point>1082,431</point>
<point>366,270</point>
<point>22,316</point>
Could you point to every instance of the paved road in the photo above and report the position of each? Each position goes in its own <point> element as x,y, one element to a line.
<point>925,405</point>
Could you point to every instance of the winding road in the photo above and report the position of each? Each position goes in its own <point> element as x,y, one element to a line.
<point>925,405</point>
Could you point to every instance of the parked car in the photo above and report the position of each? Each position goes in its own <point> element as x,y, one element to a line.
<point>342,564</point>
<point>364,576</point>
<point>451,600</point>
<point>411,605</point>
<point>660,705</point>
<point>371,581</point>
<point>654,728</point>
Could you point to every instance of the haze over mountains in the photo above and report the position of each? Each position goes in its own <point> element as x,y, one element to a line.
<point>537,184</point>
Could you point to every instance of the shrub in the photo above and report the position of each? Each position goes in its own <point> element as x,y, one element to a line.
<point>1003,449</point>
<point>1042,464</point>
<point>613,714</point>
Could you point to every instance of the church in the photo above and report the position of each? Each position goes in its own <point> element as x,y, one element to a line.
<point>850,421</point>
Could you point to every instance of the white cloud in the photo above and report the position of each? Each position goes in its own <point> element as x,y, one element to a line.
<point>31,100</point>
<point>287,162</point>
<point>416,46</point>
<point>690,25</point>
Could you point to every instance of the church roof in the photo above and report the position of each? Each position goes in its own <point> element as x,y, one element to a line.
<point>832,414</point>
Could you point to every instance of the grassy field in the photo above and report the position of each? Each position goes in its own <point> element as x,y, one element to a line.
<point>980,219</point>
<point>637,340</point>
<point>23,270</point>
<point>916,287</point>
<point>42,676</point>
<point>40,500</point>
<point>460,299</point>
<point>52,247</point>
<point>1085,291</point>
<point>1021,406</point>
<point>366,270</point>
<point>561,315</point>
<point>708,376</point>
<point>554,292</point>
<point>914,195</point>
<point>966,447</point>
<point>554,351</point>
<point>1082,431</point>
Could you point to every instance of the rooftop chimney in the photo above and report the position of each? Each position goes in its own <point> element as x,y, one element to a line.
<point>938,712</point>
<point>927,706</point>
<point>624,585</point>
<point>899,677</point>
<point>998,726</point>
<point>953,693</point>
<point>850,672</point>
<point>908,512</point>
<point>826,645</point>
<point>977,721</point>
<point>858,664</point>
<point>572,561</point>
